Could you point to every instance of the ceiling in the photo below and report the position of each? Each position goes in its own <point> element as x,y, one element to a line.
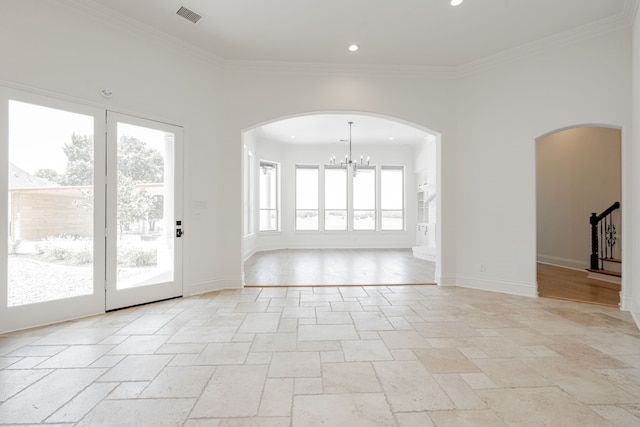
<point>407,33</point>
<point>389,32</point>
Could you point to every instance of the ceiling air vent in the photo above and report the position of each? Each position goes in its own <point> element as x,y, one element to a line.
<point>188,14</point>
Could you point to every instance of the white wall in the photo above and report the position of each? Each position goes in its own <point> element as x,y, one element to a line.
<point>577,173</point>
<point>633,173</point>
<point>52,48</point>
<point>501,112</point>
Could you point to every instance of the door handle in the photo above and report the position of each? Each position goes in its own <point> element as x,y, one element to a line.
<point>179,232</point>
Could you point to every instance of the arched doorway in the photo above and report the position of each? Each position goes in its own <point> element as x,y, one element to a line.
<point>280,154</point>
<point>578,172</point>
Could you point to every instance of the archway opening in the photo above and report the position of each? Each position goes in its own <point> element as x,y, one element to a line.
<point>313,220</point>
<point>578,173</point>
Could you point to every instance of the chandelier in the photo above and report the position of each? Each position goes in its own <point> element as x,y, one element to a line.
<point>348,161</point>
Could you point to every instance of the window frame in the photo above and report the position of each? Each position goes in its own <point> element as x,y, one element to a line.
<point>318,209</point>
<point>402,211</point>
<point>324,198</point>
<point>276,168</point>
<point>375,200</point>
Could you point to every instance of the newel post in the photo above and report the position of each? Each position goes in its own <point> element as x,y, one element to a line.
<point>594,242</point>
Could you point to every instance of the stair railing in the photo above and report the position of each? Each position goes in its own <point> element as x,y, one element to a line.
<point>604,239</point>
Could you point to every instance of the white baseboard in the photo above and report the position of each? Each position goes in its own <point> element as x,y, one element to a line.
<point>213,285</point>
<point>492,285</point>
<point>626,303</point>
<point>445,280</point>
<point>563,262</point>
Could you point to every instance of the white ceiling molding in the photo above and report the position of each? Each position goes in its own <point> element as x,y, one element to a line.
<point>575,35</point>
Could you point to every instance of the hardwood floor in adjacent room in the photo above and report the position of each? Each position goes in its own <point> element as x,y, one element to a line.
<point>306,267</point>
<point>574,285</point>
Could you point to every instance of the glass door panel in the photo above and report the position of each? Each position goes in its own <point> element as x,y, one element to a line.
<point>53,263</point>
<point>144,226</point>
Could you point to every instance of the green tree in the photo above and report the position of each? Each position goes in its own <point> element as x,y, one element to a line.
<point>49,174</point>
<point>137,164</point>
<point>79,154</point>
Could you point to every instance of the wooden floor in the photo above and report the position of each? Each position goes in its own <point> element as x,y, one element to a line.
<point>574,285</point>
<point>333,267</point>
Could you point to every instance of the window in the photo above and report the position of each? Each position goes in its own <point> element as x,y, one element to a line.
<point>248,199</point>
<point>307,197</point>
<point>392,197</point>
<point>364,199</point>
<point>335,198</point>
<point>269,220</point>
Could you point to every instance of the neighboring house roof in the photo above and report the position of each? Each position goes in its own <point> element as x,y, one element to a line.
<point>19,178</point>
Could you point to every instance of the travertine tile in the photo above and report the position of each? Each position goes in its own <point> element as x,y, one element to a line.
<point>295,364</point>
<point>202,422</point>
<point>352,377</point>
<point>224,354</point>
<point>409,387</point>
<point>326,332</point>
<point>368,321</point>
<point>333,318</point>
<point>459,392</point>
<point>445,361</point>
<point>414,419</point>
<point>139,344</point>
<point>264,357</point>
<point>137,368</point>
<point>84,402</point>
<point>14,381</point>
<point>37,402</point>
<point>256,422</point>
<point>76,356</point>
<point>203,334</point>
<point>479,418</point>
<point>277,398</point>
<point>179,381</point>
<point>369,350</point>
<point>233,391</point>
<point>511,373</point>
<point>478,381</point>
<point>588,386</point>
<point>308,386</point>
<point>128,390</point>
<point>139,412</point>
<point>353,410</point>
<point>260,323</point>
<point>538,406</point>
<point>274,342</point>
<point>617,415</point>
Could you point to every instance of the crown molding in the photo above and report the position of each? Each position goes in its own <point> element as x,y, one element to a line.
<point>341,69</point>
<point>622,20</point>
<point>576,35</point>
<point>136,27</point>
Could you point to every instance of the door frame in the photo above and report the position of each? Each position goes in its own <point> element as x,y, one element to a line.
<point>43,313</point>
<point>120,298</point>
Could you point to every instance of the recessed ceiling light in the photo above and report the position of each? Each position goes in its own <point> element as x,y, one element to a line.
<point>353,47</point>
<point>390,138</point>
<point>456,2</point>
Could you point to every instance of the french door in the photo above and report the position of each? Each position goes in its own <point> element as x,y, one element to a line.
<point>144,212</point>
<point>90,208</point>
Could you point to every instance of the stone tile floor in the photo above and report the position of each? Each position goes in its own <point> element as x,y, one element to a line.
<point>331,356</point>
